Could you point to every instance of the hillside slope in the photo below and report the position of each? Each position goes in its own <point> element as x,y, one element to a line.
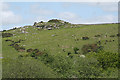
<point>55,42</point>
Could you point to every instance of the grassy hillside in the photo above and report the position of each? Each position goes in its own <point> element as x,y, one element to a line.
<point>57,44</point>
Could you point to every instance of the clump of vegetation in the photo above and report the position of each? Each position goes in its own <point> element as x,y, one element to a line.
<point>91,48</point>
<point>16,46</point>
<point>98,35</point>
<point>47,59</point>
<point>106,59</point>
<point>23,55</point>
<point>41,21</point>
<point>8,40</point>
<point>34,52</point>
<point>76,50</point>
<point>69,53</point>
<point>118,34</point>
<point>14,28</point>
<point>66,22</point>
<point>85,38</point>
<point>112,35</point>
<point>4,30</point>
<point>7,35</point>
<point>30,50</point>
<point>54,20</point>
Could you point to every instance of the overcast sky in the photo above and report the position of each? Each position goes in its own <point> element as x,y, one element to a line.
<point>16,14</point>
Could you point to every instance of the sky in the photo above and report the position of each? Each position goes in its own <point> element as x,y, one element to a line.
<point>19,14</point>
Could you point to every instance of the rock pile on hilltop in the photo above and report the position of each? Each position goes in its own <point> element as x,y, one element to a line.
<point>51,24</point>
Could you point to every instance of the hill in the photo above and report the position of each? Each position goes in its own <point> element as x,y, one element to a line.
<point>59,49</point>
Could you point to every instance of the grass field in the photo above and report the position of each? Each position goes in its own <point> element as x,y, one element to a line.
<point>56,43</point>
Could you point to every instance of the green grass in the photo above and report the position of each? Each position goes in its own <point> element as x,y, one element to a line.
<point>14,67</point>
<point>43,39</point>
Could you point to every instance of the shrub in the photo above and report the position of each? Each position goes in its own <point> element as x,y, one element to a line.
<point>66,22</point>
<point>54,20</point>
<point>69,53</point>
<point>23,55</point>
<point>75,50</point>
<point>112,35</point>
<point>17,41</point>
<point>11,45</point>
<point>20,49</point>
<point>88,68</point>
<point>6,35</point>
<point>35,50</point>
<point>61,65</point>
<point>41,21</point>
<point>47,58</point>
<point>107,59</point>
<point>98,35</point>
<point>20,56</point>
<point>30,50</point>
<point>14,28</point>
<point>118,34</point>
<point>91,48</point>
<point>17,47</point>
<point>3,30</point>
<point>32,54</point>
<point>99,42</point>
<point>39,53</point>
<point>85,38</point>
<point>8,40</point>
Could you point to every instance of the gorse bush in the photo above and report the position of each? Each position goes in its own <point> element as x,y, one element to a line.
<point>118,34</point>
<point>85,38</point>
<point>30,50</point>
<point>47,59</point>
<point>106,59</point>
<point>112,35</point>
<point>61,65</point>
<point>69,53</point>
<point>75,50</point>
<point>91,48</point>
<point>32,54</point>
<point>88,68</point>
<point>35,50</point>
<point>97,35</point>
<point>7,35</point>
